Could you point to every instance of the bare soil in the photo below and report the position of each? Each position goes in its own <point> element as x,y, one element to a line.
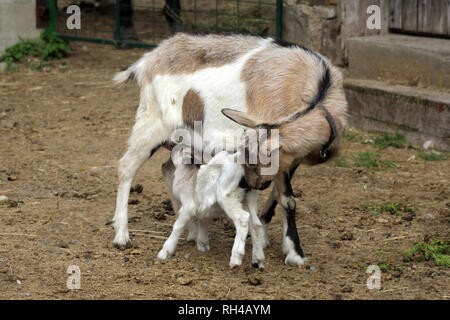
<point>63,130</point>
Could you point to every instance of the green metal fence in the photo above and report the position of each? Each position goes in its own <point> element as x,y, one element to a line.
<point>102,22</point>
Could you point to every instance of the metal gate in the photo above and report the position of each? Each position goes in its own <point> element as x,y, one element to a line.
<point>151,21</point>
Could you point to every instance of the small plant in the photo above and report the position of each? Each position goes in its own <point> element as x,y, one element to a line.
<point>384,267</point>
<point>433,156</point>
<point>409,209</point>
<point>360,266</point>
<point>47,47</point>
<point>391,208</point>
<point>434,248</point>
<point>387,267</point>
<point>386,140</point>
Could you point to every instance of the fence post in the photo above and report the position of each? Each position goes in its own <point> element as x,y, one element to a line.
<point>279,27</point>
<point>52,23</point>
<point>117,21</point>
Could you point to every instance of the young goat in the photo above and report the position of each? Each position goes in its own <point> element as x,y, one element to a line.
<point>269,84</point>
<point>204,192</point>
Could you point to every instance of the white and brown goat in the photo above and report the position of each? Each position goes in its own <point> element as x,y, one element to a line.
<point>269,84</point>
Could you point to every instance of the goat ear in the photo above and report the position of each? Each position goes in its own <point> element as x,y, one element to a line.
<point>240,118</point>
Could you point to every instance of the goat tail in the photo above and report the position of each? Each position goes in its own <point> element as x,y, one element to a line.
<point>123,77</point>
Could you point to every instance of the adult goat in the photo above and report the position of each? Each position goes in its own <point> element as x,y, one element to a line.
<point>268,84</point>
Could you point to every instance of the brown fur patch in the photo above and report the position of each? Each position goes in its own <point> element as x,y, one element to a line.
<point>283,81</point>
<point>277,81</point>
<point>168,170</point>
<point>193,108</point>
<point>185,53</point>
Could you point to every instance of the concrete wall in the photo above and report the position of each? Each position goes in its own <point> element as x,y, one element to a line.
<point>17,18</point>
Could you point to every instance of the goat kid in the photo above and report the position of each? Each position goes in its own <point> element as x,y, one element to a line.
<point>204,192</point>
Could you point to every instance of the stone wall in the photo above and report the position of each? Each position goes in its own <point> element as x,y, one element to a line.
<point>313,24</point>
<point>326,25</point>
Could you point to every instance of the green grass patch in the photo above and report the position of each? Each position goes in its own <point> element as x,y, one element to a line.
<point>391,208</point>
<point>389,164</point>
<point>387,267</point>
<point>431,156</point>
<point>409,209</point>
<point>46,48</point>
<point>366,159</point>
<point>371,160</point>
<point>433,249</point>
<point>386,140</point>
<point>341,163</point>
<point>360,266</point>
<point>384,267</point>
<point>351,136</point>
<point>380,253</point>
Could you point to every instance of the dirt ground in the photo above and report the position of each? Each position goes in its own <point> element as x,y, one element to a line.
<point>63,130</point>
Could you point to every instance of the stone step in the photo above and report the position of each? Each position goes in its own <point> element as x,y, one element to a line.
<point>407,60</point>
<point>420,114</point>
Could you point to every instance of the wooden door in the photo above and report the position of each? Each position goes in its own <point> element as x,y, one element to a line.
<point>428,17</point>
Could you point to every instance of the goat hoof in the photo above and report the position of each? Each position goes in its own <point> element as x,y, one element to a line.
<point>235,263</point>
<point>259,266</point>
<point>192,237</point>
<point>122,240</point>
<point>295,260</point>
<point>163,255</point>
<point>236,260</point>
<point>203,247</point>
<point>122,246</point>
<point>291,204</point>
